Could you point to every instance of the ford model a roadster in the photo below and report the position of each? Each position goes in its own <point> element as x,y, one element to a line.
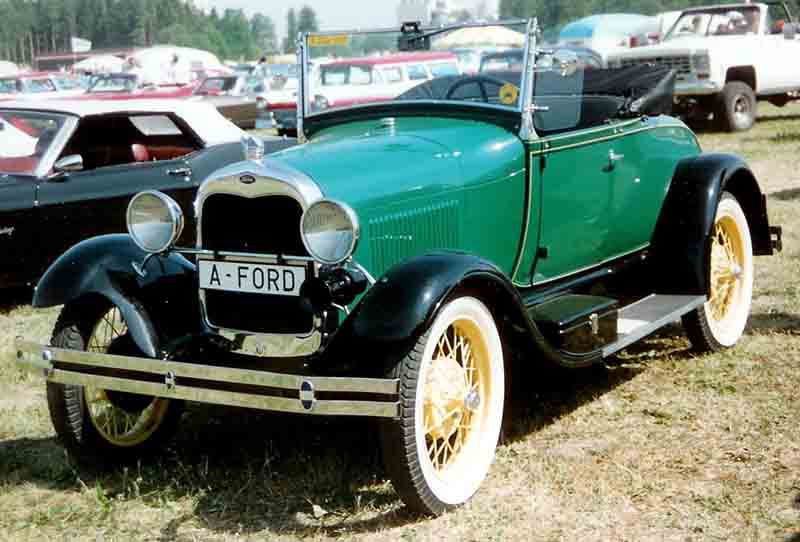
<point>396,261</point>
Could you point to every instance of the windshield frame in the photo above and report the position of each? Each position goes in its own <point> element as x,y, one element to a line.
<point>45,165</point>
<point>304,61</point>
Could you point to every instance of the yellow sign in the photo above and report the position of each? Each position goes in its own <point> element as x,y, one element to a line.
<point>509,94</point>
<point>340,40</point>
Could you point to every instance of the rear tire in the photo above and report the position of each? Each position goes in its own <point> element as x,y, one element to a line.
<point>452,392</point>
<point>98,426</point>
<point>719,323</point>
<point>736,107</point>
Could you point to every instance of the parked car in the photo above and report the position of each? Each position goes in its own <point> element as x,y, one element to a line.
<point>277,107</point>
<point>234,96</point>
<point>728,58</point>
<point>40,85</point>
<point>409,256</point>
<point>609,33</point>
<point>130,86</point>
<point>512,59</point>
<point>69,168</point>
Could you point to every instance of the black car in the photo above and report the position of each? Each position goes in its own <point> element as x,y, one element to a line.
<point>69,168</point>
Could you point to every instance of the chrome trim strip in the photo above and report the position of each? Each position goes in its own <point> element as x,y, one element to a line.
<point>57,146</point>
<point>527,131</point>
<point>245,257</point>
<point>45,356</point>
<point>601,139</point>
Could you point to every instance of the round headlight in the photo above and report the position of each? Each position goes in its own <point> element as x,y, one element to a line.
<point>155,221</point>
<point>330,231</point>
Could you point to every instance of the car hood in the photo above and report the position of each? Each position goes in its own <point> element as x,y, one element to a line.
<point>367,164</point>
<point>677,46</point>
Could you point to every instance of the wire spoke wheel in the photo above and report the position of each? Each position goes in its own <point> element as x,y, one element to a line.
<point>452,396</point>
<point>721,321</point>
<point>122,419</point>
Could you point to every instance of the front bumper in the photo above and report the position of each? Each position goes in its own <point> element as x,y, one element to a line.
<point>262,390</point>
<point>697,88</point>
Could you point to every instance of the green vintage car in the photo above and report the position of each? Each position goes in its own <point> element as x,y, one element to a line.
<point>428,236</point>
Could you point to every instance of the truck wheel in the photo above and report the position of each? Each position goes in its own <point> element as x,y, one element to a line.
<point>720,322</point>
<point>451,407</point>
<point>105,426</point>
<point>736,107</point>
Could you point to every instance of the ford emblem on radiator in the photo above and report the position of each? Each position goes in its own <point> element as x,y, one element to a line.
<point>247,179</point>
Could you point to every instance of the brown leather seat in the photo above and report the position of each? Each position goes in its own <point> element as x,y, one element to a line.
<point>140,153</point>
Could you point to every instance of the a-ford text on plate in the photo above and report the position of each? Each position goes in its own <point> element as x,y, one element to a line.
<point>252,278</point>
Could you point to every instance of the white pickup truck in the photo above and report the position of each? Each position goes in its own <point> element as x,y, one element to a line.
<point>727,58</point>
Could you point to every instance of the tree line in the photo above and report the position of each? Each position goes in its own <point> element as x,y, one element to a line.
<point>34,27</point>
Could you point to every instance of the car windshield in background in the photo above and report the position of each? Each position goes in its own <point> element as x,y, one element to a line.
<point>114,83</point>
<point>717,22</point>
<point>354,69</point>
<point>25,137</point>
<point>8,86</point>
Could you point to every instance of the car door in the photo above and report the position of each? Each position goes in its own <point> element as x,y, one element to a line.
<point>577,167</point>
<point>80,205</point>
<point>19,237</point>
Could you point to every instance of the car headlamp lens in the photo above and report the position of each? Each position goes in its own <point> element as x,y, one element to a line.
<point>330,231</point>
<point>155,221</point>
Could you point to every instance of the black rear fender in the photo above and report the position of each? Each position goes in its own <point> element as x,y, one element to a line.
<point>680,244</point>
<point>159,305</point>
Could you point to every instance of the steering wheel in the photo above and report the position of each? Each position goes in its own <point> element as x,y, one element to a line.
<point>480,80</point>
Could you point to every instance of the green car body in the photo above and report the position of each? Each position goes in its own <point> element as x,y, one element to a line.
<point>404,260</point>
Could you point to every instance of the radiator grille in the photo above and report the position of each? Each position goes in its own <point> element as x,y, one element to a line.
<point>680,64</point>
<point>398,236</point>
<point>266,225</point>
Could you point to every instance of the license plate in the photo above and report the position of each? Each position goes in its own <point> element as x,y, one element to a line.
<point>252,278</point>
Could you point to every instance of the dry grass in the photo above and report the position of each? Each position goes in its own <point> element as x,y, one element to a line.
<point>657,445</point>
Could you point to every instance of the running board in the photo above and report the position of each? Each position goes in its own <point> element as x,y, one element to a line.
<point>642,318</point>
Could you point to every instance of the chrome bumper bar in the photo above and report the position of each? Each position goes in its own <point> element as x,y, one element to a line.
<point>176,380</point>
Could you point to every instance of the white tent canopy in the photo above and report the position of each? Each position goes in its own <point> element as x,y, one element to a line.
<point>8,68</point>
<point>481,36</point>
<point>100,64</point>
<point>156,64</point>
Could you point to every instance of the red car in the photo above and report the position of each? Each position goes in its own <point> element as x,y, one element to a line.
<point>129,86</point>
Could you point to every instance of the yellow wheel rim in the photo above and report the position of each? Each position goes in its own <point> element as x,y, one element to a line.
<point>727,267</point>
<point>456,392</point>
<point>116,425</point>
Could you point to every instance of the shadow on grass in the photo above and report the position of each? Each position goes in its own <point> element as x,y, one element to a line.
<point>11,298</point>
<point>241,471</point>
<point>785,195</point>
<point>774,322</point>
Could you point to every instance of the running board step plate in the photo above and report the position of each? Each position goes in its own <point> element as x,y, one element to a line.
<point>642,318</point>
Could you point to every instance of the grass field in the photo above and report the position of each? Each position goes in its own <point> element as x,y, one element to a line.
<point>655,445</point>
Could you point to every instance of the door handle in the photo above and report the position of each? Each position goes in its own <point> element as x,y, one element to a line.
<point>613,158</point>
<point>180,172</point>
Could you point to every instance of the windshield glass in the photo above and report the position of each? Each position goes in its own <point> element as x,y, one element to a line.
<point>717,22</point>
<point>25,137</point>
<point>114,83</point>
<point>358,68</point>
<point>8,86</point>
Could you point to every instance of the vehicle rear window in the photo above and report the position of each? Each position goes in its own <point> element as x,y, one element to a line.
<point>416,72</point>
<point>392,75</point>
<point>155,125</point>
<point>444,69</point>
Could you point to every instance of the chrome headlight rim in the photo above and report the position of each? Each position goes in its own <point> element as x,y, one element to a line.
<point>355,227</point>
<point>175,212</point>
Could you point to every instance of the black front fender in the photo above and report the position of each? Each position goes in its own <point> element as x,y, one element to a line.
<point>402,305</point>
<point>104,266</point>
<point>680,243</point>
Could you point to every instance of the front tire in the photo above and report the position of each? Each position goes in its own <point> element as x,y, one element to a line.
<point>736,107</point>
<point>101,426</point>
<point>452,393</point>
<point>720,322</point>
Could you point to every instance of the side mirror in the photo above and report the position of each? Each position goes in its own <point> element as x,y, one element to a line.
<point>69,164</point>
<point>789,31</point>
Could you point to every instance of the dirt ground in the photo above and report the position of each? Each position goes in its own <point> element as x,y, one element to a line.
<point>655,445</point>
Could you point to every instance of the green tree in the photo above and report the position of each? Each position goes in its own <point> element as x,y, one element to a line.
<point>262,30</point>
<point>291,31</point>
<point>307,20</point>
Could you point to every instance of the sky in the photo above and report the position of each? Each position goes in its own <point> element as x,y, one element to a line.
<point>332,14</point>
